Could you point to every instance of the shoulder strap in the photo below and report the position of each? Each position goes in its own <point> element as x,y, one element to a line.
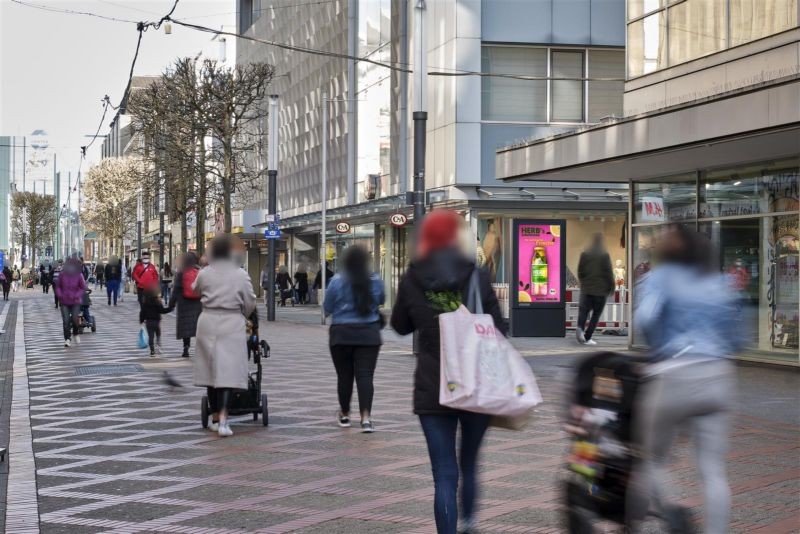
<point>474,300</point>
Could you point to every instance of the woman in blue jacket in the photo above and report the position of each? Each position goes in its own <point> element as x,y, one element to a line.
<point>353,298</point>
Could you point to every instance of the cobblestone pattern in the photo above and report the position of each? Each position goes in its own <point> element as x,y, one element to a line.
<point>8,321</point>
<point>126,454</point>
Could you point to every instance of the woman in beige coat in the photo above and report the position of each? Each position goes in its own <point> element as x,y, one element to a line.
<point>220,362</point>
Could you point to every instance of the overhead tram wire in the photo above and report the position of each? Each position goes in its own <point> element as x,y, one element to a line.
<point>72,12</point>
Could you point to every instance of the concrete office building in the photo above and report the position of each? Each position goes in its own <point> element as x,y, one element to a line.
<point>370,128</point>
<point>710,139</point>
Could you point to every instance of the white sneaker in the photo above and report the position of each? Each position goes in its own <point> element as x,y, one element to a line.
<point>225,431</point>
<point>214,427</point>
<point>67,343</point>
<point>590,342</point>
<point>580,336</point>
<point>77,339</point>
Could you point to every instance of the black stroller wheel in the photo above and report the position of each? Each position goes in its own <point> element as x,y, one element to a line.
<point>94,325</point>
<point>255,416</point>
<point>264,410</point>
<point>204,411</point>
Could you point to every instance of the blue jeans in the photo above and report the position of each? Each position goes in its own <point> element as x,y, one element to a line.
<point>165,291</point>
<point>440,433</point>
<point>112,289</point>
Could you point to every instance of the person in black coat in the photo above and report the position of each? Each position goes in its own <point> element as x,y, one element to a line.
<point>8,275</point>
<point>435,281</point>
<point>188,308</point>
<point>150,315</point>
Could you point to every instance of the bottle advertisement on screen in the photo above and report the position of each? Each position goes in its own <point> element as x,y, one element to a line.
<point>539,263</point>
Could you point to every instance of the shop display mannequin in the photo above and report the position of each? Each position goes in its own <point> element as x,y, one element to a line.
<point>619,273</point>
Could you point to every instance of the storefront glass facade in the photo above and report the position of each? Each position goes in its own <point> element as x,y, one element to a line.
<point>751,215</point>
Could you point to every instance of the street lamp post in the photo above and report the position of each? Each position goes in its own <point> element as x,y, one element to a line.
<point>162,200</point>
<point>139,224</point>
<point>272,190</point>
<point>420,114</point>
<point>324,163</point>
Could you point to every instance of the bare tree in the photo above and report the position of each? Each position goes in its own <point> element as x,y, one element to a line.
<point>110,192</point>
<point>34,215</point>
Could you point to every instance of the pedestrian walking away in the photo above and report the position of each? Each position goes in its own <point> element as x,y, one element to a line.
<point>56,275</point>
<point>6,277</point>
<point>318,277</point>
<point>439,277</point>
<point>112,273</point>
<point>285,285</point>
<point>596,278</point>
<point>301,283</point>
<point>99,274</point>
<point>45,278</point>
<point>166,282</point>
<point>186,301</point>
<point>150,316</point>
<point>220,362</point>
<point>352,299</point>
<point>70,289</point>
<point>687,314</point>
<point>144,275</point>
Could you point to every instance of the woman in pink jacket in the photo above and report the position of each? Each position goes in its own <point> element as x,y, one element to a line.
<point>69,288</point>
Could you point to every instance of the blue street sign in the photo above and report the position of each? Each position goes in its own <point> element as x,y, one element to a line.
<point>2,259</point>
<point>272,232</point>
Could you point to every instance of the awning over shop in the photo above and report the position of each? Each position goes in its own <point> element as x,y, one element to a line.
<point>738,127</point>
<point>363,213</point>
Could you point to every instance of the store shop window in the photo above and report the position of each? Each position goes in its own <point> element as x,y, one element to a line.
<point>673,199</point>
<point>760,255</point>
<point>696,29</point>
<point>751,190</point>
<point>489,248</point>
<point>507,99</point>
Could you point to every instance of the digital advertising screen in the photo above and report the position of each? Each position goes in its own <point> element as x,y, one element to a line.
<point>540,256</point>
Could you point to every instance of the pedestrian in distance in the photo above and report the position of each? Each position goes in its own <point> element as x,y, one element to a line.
<point>56,275</point>
<point>352,299</point>
<point>264,281</point>
<point>150,315</point>
<point>69,289</point>
<point>16,276</point>
<point>687,314</point>
<point>301,283</point>
<point>438,279</point>
<point>596,278</point>
<point>112,273</point>
<point>5,278</point>
<point>318,277</point>
<point>144,274</point>
<point>187,302</point>
<point>45,279</point>
<point>285,285</point>
<point>41,276</point>
<point>99,274</point>
<point>220,362</point>
<point>166,281</point>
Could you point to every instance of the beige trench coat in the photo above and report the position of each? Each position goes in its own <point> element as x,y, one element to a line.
<point>226,293</point>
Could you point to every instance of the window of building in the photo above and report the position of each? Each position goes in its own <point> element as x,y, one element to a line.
<point>605,95</point>
<point>696,29</point>
<point>567,96</point>
<point>754,19</point>
<point>562,97</point>
<point>509,99</point>
<point>249,12</point>
<point>685,30</point>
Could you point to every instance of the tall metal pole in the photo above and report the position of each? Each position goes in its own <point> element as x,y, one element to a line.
<point>139,225</point>
<point>420,109</point>
<point>272,177</point>
<point>162,200</point>
<point>324,162</point>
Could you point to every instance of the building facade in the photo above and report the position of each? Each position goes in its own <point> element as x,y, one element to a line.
<point>553,67</point>
<point>710,139</point>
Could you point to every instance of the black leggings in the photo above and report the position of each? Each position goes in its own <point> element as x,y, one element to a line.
<point>218,398</point>
<point>355,362</point>
<point>153,332</point>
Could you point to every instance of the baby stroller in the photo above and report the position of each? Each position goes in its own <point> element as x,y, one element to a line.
<point>601,459</point>
<point>86,319</point>
<point>251,400</point>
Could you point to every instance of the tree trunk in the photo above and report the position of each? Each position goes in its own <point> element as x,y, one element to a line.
<point>227,183</point>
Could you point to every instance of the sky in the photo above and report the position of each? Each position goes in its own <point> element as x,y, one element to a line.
<point>55,68</point>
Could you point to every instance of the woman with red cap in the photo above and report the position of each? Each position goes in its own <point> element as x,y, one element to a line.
<point>437,279</point>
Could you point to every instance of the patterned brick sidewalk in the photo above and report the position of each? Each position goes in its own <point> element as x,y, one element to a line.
<point>125,454</point>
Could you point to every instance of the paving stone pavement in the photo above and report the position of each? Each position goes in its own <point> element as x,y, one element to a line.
<point>125,453</point>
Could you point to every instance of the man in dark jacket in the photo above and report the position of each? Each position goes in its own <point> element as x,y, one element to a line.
<point>597,283</point>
